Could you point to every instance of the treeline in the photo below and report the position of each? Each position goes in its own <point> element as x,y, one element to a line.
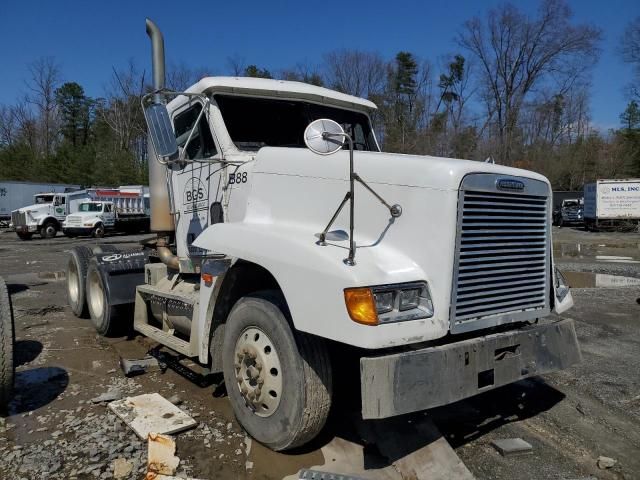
<point>516,91</point>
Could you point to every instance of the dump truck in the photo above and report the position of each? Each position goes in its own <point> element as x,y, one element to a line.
<point>123,209</point>
<point>611,203</point>
<point>46,215</point>
<point>287,243</point>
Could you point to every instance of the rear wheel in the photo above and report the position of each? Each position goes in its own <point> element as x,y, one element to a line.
<point>101,312</point>
<point>49,229</point>
<point>278,381</point>
<point>24,236</point>
<point>76,278</point>
<point>7,339</point>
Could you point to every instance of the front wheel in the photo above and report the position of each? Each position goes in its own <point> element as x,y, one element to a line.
<point>98,231</point>
<point>279,381</point>
<point>48,230</point>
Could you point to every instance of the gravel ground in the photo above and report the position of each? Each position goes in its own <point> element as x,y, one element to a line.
<point>571,418</point>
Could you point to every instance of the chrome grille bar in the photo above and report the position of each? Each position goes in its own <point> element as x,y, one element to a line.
<point>501,271</point>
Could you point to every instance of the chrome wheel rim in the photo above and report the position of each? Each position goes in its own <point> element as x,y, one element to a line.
<point>73,282</point>
<point>258,372</point>
<point>95,294</point>
<point>50,231</point>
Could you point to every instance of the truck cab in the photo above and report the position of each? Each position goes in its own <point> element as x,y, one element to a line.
<point>92,218</point>
<point>571,212</point>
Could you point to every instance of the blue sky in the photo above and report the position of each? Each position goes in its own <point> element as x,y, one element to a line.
<point>88,38</point>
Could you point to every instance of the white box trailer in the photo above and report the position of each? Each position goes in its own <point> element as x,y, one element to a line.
<point>14,195</point>
<point>611,202</point>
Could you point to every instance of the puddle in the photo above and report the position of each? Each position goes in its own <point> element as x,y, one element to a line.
<point>599,280</point>
<point>52,275</point>
<point>621,253</point>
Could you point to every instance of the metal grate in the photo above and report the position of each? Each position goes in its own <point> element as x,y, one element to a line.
<point>18,218</point>
<point>502,254</point>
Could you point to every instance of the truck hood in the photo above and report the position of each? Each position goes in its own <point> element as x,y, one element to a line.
<point>382,168</point>
<point>36,210</point>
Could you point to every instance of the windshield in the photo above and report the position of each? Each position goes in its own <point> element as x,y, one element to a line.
<point>571,203</point>
<point>90,207</point>
<point>254,123</point>
<point>42,199</point>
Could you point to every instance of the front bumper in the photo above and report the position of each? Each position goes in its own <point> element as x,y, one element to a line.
<point>77,231</point>
<point>417,380</point>
<point>26,228</point>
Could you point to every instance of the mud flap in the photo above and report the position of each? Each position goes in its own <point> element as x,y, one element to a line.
<point>121,273</point>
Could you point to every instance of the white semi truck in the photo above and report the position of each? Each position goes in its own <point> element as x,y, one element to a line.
<point>124,209</point>
<point>14,195</point>
<point>284,233</point>
<point>46,215</point>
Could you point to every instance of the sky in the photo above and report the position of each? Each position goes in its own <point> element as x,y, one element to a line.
<point>89,38</point>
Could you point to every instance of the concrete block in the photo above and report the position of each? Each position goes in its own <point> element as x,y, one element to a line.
<point>509,447</point>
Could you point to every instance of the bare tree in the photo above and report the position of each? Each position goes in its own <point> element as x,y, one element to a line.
<point>517,54</point>
<point>355,72</point>
<point>45,78</point>
<point>121,109</point>
<point>8,126</point>
<point>630,49</point>
<point>236,65</point>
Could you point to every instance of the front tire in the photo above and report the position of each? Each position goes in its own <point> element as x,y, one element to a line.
<point>7,339</point>
<point>48,230</point>
<point>279,382</point>
<point>98,231</point>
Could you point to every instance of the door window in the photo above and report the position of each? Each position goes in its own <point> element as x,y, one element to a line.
<point>201,144</point>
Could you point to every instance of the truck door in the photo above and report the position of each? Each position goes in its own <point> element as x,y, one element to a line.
<point>196,186</point>
<point>60,207</point>
<point>109,215</point>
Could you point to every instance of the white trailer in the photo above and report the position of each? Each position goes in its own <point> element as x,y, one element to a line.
<point>14,195</point>
<point>611,202</point>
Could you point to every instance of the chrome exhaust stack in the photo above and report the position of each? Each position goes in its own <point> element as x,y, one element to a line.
<point>162,220</point>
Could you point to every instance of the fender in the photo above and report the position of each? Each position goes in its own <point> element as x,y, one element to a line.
<point>121,273</point>
<point>43,220</point>
<point>313,278</point>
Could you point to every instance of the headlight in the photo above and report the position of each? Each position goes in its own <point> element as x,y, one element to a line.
<point>562,287</point>
<point>88,224</point>
<point>389,303</point>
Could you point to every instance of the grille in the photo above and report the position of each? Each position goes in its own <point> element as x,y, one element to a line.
<point>502,256</point>
<point>18,218</point>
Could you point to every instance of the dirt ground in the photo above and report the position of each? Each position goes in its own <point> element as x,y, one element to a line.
<point>570,418</point>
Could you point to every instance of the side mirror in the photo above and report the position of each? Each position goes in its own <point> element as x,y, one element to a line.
<point>160,131</point>
<point>324,136</point>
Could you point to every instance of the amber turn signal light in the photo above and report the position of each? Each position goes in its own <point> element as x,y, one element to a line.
<point>207,278</point>
<point>361,305</point>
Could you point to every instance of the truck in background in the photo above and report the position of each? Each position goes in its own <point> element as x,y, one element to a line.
<point>47,213</point>
<point>570,212</point>
<point>14,195</point>
<point>124,209</point>
<point>612,203</point>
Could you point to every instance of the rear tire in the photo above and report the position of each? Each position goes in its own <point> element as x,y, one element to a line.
<point>49,230</point>
<point>7,339</point>
<point>24,236</point>
<point>76,279</point>
<point>257,337</point>
<point>101,312</point>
